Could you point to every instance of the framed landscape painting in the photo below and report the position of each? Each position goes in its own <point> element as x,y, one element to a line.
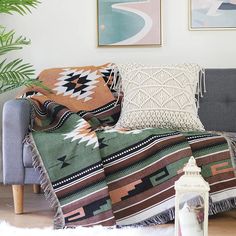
<point>129,22</point>
<point>212,14</point>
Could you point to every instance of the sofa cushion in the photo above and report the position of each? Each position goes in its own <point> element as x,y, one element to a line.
<point>160,96</point>
<point>218,106</point>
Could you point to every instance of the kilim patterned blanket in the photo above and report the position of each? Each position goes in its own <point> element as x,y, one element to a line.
<point>112,176</point>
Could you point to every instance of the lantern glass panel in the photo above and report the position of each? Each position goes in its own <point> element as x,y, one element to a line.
<point>191,215</point>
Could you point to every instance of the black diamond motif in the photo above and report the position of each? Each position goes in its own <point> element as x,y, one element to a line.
<point>70,86</point>
<point>72,77</point>
<point>101,144</point>
<point>63,164</point>
<point>76,79</point>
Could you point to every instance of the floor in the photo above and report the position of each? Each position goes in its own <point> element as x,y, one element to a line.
<point>38,213</point>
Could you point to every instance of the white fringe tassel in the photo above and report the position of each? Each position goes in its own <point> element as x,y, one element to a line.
<point>46,185</point>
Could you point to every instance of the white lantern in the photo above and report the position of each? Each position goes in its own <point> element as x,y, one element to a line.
<point>191,202</point>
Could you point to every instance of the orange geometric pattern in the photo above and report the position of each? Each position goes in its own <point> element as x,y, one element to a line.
<point>117,194</point>
<point>219,168</point>
<point>101,93</point>
<point>71,213</point>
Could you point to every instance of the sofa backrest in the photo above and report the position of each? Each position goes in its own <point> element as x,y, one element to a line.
<point>218,106</point>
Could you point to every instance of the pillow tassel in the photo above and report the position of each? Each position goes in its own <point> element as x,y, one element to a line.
<point>204,80</point>
<point>201,87</point>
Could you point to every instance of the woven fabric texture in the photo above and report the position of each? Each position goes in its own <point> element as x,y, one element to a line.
<point>160,96</point>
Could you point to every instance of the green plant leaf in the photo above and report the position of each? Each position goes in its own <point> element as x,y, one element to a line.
<point>14,74</point>
<point>8,41</point>
<point>19,6</point>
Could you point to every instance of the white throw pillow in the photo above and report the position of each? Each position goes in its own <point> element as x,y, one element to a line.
<point>160,96</point>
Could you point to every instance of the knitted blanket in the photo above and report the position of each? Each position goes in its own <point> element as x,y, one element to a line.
<point>113,176</point>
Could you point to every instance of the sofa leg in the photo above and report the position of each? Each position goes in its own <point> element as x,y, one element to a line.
<point>18,197</point>
<point>36,188</point>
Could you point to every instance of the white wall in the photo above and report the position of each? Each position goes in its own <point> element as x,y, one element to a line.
<point>63,32</point>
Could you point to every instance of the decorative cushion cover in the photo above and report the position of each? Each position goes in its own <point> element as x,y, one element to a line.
<point>160,96</point>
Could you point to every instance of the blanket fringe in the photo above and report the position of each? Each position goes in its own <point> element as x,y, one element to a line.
<point>45,183</point>
<point>222,206</point>
<point>169,215</point>
<point>232,144</point>
<point>231,140</point>
<point>116,82</point>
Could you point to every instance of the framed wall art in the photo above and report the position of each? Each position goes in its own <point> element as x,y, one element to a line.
<point>212,14</point>
<point>129,22</point>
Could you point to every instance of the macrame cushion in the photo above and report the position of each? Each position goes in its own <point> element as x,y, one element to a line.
<point>160,96</point>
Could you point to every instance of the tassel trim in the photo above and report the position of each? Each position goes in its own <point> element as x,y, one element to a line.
<point>169,215</point>
<point>59,222</point>
<point>201,86</point>
<point>231,140</point>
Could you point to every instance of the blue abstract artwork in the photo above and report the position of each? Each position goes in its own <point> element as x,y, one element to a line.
<point>129,22</point>
<point>212,14</point>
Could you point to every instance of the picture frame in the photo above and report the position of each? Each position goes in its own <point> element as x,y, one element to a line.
<point>212,14</point>
<point>129,23</point>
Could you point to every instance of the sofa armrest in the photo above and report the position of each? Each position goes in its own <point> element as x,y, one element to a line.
<point>16,120</point>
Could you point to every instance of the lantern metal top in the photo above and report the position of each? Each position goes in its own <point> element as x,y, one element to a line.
<point>191,167</point>
<point>192,179</point>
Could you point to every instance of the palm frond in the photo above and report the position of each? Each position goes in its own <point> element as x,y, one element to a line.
<point>19,6</point>
<point>14,74</point>
<point>8,41</point>
<point>17,73</point>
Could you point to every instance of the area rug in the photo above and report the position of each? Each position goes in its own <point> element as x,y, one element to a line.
<point>6,229</point>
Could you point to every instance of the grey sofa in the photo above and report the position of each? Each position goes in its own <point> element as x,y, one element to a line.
<point>217,112</point>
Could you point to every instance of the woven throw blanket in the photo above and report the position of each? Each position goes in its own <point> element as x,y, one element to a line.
<point>114,176</point>
<point>86,91</point>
